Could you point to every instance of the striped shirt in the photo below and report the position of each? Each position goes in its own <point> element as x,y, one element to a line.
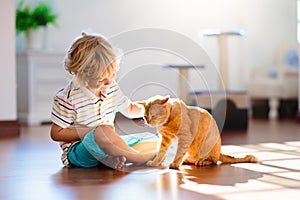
<point>76,106</point>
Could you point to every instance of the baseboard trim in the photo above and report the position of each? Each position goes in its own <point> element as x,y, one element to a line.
<point>9,128</point>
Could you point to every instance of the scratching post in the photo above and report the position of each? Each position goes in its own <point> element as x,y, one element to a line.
<point>230,108</point>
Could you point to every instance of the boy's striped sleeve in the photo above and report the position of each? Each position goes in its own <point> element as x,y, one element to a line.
<point>62,112</point>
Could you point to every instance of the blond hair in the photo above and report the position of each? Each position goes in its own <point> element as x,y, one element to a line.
<point>91,58</point>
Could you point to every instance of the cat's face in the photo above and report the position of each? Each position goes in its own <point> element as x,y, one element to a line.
<point>156,111</point>
<point>155,115</point>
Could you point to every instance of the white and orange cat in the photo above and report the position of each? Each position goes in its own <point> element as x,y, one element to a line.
<point>199,140</point>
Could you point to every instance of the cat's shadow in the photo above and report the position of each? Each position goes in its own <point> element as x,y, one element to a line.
<point>224,175</point>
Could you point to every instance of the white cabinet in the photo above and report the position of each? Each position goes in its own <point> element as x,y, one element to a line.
<point>39,76</point>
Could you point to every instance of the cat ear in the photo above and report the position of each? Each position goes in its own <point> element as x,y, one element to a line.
<point>165,99</point>
<point>143,103</point>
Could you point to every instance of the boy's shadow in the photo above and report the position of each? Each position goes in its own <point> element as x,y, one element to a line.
<point>77,176</point>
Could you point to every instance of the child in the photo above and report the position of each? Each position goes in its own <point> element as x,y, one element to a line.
<point>83,112</point>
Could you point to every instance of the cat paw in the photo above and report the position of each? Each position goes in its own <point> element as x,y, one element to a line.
<point>204,163</point>
<point>174,166</point>
<point>251,158</point>
<point>151,163</point>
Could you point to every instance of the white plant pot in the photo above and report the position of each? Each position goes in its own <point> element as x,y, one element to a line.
<point>35,38</point>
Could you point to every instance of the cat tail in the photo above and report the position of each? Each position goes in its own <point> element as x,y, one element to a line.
<point>227,159</point>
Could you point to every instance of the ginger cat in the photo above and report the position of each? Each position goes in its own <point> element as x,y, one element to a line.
<point>199,140</point>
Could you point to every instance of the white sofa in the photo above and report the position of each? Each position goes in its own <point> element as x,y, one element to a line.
<point>273,84</point>
<point>276,83</point>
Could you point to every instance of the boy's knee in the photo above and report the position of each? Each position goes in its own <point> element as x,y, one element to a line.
<point>103,135</point>
<point>105,129</point>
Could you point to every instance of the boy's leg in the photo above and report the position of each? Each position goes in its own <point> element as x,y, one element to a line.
<point>114,145</point>
<point>88,154</point>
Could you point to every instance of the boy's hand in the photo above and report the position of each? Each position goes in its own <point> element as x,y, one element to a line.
<point>136,109</point>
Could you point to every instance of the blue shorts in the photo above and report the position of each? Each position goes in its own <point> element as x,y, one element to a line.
<point>87,153</point>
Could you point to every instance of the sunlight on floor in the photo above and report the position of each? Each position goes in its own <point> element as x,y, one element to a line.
<point>277,146</point>
<point>250,186</point>
<point>278,166</point>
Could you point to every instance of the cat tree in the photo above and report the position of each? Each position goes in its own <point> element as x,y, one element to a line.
<point>230,108</point>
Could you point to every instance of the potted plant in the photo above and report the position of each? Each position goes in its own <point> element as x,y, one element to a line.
<point>33,21</point>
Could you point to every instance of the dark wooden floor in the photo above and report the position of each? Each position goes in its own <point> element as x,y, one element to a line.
<point>30,169</point>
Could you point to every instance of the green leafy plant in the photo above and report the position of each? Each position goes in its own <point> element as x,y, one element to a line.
<point>40,15</point>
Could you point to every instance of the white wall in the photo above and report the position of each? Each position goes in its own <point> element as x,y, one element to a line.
<point>268,25</point>
<point>7,57</point>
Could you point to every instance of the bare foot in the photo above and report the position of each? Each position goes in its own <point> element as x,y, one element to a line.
<point>115,162</point>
